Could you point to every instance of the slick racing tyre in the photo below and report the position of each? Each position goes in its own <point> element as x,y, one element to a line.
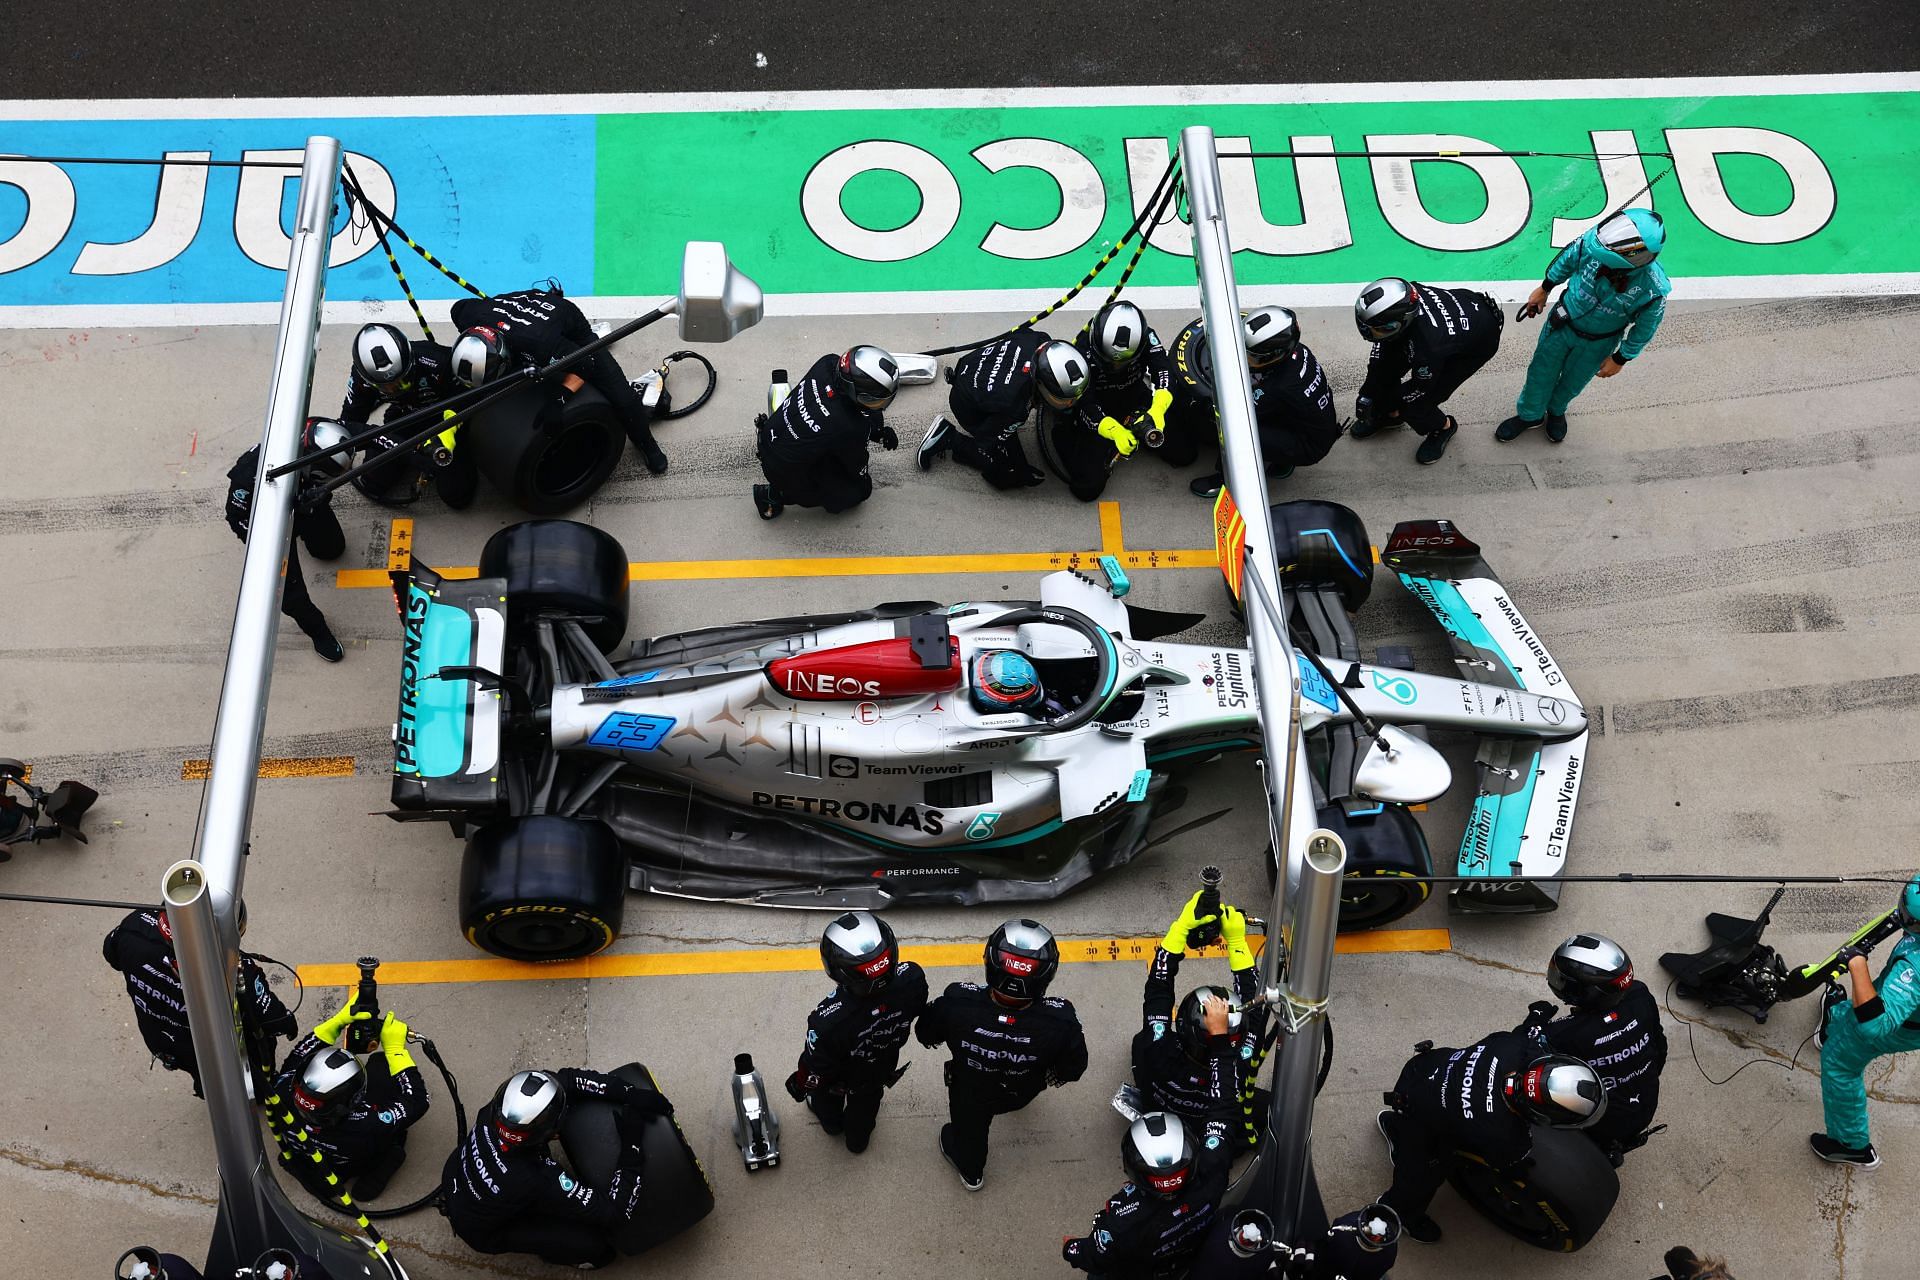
<point>674,1194</point>
<point>1386,853</point>
<point>1559,1203</point>
<point>561,568</point>
<point>545,469</point>
<point>1323,544</point>
<point>543,888</point>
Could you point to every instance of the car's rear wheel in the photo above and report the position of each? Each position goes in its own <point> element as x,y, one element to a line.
<point>675,1193</point>
<point>562,567</point>
<point>543,888</point>
<point>1559,1201</point>
<point>546,469</point>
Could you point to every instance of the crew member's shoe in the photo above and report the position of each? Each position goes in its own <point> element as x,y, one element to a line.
<point>1862,1158</point>
<point>1556,427</point>
<point>650,453</point>
<point>857,1143</point>
<point>971,1184</point>
<point>1435,446</point>
<point>1035,476</point>
<point>329,648</point>
<point>1206,486</point>
<point>764,502</point>
<point>1423,1228</point>
<point>1513,428</point>
<point>933,443</point>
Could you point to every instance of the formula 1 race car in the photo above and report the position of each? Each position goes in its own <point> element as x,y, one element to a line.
<point>834,761</point>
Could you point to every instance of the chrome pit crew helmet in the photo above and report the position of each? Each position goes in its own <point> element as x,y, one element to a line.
<point>1384,307</point>
<point>382,355</point>
<point>1060,373</point>
<point>859,952</point>
<point>1590,971</point>
<point>870,375</point>
<point>1271,333</point>
<point>1190,1022</point>
<point>1559,1091</point>
<point>479,355</point>
<point>1005,680</point>
<point>1021,959</point>
<point>1158,1154</point>
<point>1118,334</point>
<point>528,1108</point>
<point>1633,236</point>
<point>327,1086</point>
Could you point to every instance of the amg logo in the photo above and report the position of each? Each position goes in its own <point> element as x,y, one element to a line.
<point>816,683</point>
<point>1525,633</point>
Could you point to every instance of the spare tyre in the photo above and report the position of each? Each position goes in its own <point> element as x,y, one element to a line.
<point>546,459</point>
<point>561,568</point>
<point>674,1190</point>
<point>1559,1200</point>
<point>543,888</point>
<point>1323,544</point>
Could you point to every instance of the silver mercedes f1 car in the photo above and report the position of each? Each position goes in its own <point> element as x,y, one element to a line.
<point>857,760</point>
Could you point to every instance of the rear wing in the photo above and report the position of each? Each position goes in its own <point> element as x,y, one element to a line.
<point>446,736</point>
<point>1522,816</point>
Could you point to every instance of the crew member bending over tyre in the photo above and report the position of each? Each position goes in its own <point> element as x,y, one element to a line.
<point>503,1192</point>
<point>336,1118</point>
<point>1483,1100</point>
<point>1427,341</point>
<point>852,1054</point>
<point>541,325</point>
<point>813,447</point>
<point>995,388</point>
<point>406,377</point>
<point>1128,399</point>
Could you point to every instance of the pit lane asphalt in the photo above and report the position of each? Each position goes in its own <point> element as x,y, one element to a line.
<point>1721,557</point>
<point>605,46</point>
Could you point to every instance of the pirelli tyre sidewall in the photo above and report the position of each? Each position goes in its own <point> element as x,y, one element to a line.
<point>543,888</point>
<point>675,1192</point>
<point>561,568</point>
<point>546,467</point>
<point>1558,1203</point>
<point>1387,858</point>
<point>1323,544</point>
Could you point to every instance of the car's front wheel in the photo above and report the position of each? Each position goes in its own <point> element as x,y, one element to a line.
<point>543,888</point>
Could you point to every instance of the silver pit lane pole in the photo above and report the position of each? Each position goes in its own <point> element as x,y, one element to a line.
<point>203,895</point>
<point>1296,967</point>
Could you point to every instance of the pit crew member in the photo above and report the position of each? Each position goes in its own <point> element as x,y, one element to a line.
<point>1008,1040</point>
<point>1292,399</point>
<point>1155,1224</point>
<point>995,388</point>
<point>1427,341</point>
<point>314,524</point>
<point>813,447</point>
<point>1129,395</point>
<point>406,376</point>
<point>1880,1017</point>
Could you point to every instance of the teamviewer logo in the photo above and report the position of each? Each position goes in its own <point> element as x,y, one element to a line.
<point>843,766</point>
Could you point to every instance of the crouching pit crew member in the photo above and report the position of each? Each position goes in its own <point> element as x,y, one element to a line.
<point>854,1036</point>
<point>405,377</point>
<point>503,1192</point>
<point>1127,402</point>
<point>1427,341</point>
<point>1292,399</point>
<point>1008,1039</point>
<point>813,445</point>
<point>995,389</point>
<point>1154,1225</point>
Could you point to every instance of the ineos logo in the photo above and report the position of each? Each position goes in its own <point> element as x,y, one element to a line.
<point>819,682</point>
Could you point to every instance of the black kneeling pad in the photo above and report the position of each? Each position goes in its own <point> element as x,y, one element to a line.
<point>674,1192</point>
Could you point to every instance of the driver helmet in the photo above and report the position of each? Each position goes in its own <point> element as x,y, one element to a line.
<point>1590,971</point>
<point>328,1084</point>
<point>527,1110</point>
<point>1022,958</point>
<point>479,355</point>
<point>1060,372</point>
<point>1190,1024</point>
<point>1558,1090</point>
<point>1378,1227</point>
<point>1119,334</point>
<point>382,355</point>
<point>1384,307</point>
<point>1910,905</point>
<point>1158,1154</point>
<point>860,952</point>
<point>1629,239</point>
<point>870,375</point>
<point>1005,680</point>
<point>1271,333</point>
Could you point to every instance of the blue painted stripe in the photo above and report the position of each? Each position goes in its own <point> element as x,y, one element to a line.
<point>1308,533</point>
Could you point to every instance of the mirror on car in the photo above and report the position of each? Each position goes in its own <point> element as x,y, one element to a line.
<point>1405,771</point>
<point>717,299</point>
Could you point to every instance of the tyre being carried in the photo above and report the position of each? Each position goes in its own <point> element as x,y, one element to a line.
<point>675,1193</point>
<point>546,457</point>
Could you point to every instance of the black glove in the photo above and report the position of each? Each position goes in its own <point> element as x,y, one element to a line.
<point>644,1103</point>
<point>1540,1013</point>
<point>1681,1262</point>
<point>1848,954</point>
<point>886,437</point>
<point>796,1088</point>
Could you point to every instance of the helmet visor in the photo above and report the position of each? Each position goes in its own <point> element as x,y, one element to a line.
<point>1620,235</point>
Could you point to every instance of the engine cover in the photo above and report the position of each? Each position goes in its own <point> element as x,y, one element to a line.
<point>875,669</point>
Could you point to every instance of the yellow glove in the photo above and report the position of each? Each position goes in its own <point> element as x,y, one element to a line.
<point>1233,931</point>
<point>449,437</point>
<point>393,1043</point>
<point>1176,939</point>
<point>329,1031</point>
<point>1123,440</point>
<point>1157,410</point>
